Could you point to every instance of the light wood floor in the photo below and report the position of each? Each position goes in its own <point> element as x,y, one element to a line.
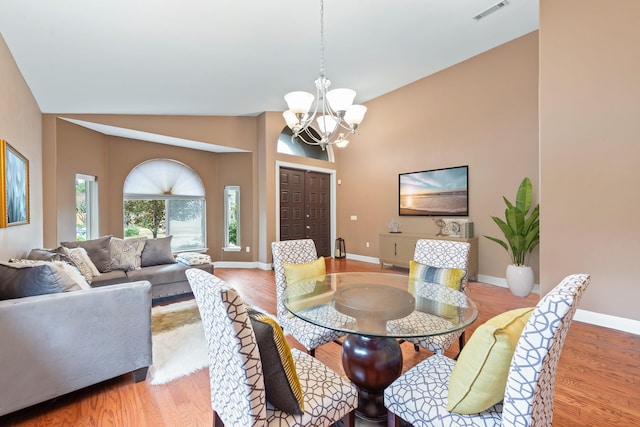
<point>597,383</point>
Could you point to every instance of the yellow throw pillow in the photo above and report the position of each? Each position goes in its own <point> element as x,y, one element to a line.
<point>297,272</point>
<point>479,378</point>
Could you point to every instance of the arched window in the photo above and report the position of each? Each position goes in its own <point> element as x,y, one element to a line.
<point>287,145</point>
<point>165,197</point>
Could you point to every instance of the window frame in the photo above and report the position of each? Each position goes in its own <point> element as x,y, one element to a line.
<point>169,180</point>
<point>91,205</point>
<point>229,192</point>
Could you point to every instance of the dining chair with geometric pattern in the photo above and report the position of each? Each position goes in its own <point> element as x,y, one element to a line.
<point>301,251</point>
<point>420,396</point>
<point>238,390</point>
<point>442,254</point>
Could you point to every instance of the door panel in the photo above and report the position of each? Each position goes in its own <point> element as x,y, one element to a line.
<point>304,207</point>
<point>292,221</point>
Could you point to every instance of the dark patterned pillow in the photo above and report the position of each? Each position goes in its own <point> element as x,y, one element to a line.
<point>56,254</point>
<point>19,280</point>
<point>98,250</point>
<point>281,382</point>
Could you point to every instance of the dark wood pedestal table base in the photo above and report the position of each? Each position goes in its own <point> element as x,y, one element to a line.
<point>372,364</point>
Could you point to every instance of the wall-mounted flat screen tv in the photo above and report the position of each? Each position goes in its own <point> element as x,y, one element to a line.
<point>436,192</point>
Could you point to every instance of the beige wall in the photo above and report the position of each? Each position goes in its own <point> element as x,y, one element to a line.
<point>21,126</point>
<point>110,159</point>
<point>482,113</point>
<point>78,150</point>
<point>589,149</point>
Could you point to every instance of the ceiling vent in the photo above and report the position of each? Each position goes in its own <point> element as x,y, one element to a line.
<point>491,9</point>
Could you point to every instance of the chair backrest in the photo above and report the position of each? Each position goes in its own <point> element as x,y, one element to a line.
<point>294,252</point>
<point>235,369</point>
<point>528,397</point>
<point>444,254</point>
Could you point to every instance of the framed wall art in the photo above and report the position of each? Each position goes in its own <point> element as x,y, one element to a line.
<point>14,186</point>
<point>437,192</point>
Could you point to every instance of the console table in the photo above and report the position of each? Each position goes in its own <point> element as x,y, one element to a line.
<point>398,249</point>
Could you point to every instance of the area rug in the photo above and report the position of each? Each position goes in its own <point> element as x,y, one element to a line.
<point>179,346</point>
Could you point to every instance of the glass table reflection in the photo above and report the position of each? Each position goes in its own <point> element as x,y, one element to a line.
<point>375,310</point>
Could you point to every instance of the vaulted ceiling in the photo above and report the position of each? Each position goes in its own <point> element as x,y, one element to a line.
<point>239,57</point>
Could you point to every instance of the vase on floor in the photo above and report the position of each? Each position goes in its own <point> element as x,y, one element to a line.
<point>520,279</point>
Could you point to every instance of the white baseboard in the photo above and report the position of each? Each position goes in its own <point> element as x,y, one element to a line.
<point>614,322</point>
<point>502,282</point>
<point>241,264</point>
<point>363,258</point>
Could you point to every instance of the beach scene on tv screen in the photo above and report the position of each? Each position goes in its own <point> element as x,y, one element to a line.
<point>438,192</point>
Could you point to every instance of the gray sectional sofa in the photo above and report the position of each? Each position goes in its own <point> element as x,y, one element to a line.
<point>70,317</point>
<point>53,344</point>
<point>119,265</point>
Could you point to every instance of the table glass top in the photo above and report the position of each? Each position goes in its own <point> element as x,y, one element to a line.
<point>380,304</point>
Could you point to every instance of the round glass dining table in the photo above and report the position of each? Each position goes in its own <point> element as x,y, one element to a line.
<point>375,310</point>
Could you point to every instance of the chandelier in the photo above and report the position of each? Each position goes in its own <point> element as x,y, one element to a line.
<point>334,113</point>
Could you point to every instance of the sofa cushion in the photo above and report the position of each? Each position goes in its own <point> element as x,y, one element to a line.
<point>124,254</point>
<point>157,251</point>
<point>98,250</point>
<point>110,278</point>
<point>167,273</point>
<point>19,280</point>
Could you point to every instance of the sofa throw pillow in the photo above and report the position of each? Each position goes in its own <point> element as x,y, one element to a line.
<point>451,277</point>
<point>98,250</point>
<point>125,254</point>
<point>82,262</point>
<point>18,280</point>
<point>69,269</point>
<point>479,378</point>
<point>298,272</point>
<point>157,252</point>
<point>281,382</point>
<point>193,258</point>
<point>56,254</point>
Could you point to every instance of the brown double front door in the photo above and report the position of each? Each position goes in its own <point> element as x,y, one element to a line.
<point>304,207</point>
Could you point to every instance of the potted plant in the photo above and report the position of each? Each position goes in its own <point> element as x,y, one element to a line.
<point>521,229</point>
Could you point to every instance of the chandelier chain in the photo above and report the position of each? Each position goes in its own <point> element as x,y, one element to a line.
<point>322,38</point>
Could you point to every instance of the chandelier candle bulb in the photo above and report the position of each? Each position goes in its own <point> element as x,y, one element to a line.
<point>299,102</point>
<point>355,115</point>
<point>326,124</point>
<point>341,99</point>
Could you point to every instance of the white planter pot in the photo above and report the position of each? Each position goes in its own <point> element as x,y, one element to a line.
<point>520,279</point>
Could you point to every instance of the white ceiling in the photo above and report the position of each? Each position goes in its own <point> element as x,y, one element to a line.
<point>238,57</point>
